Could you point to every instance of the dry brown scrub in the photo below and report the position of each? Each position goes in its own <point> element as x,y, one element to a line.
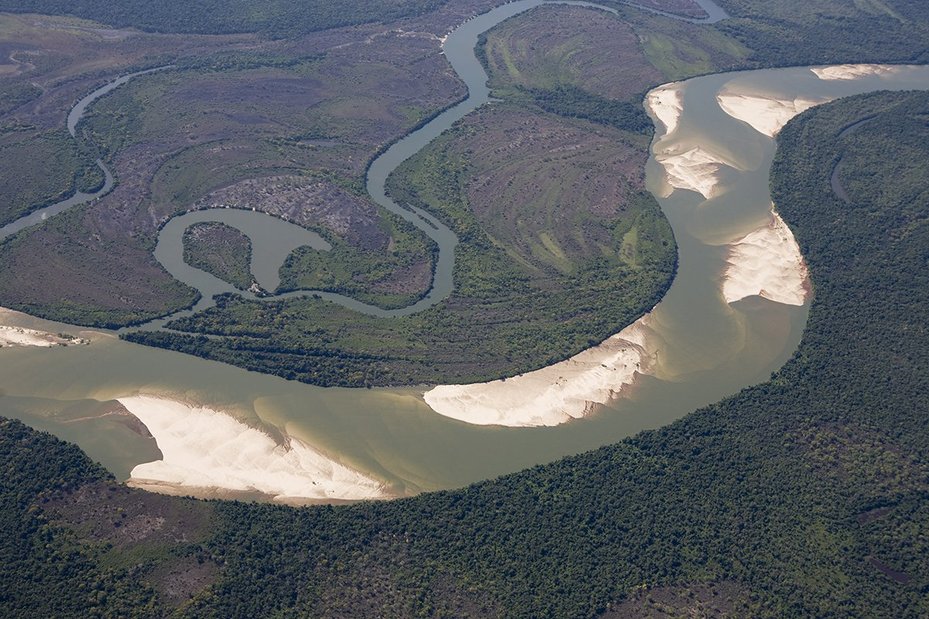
<point>555,45</point>
<point>687,8</point>
<point>322,106</point>
<point>550,187</point>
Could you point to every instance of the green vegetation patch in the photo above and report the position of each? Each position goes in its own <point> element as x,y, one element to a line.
<point>41,168</point>
<point>546,265</point>
<point>674,58</point>
<point>574,102</point>
<point>391,276</point>
<point>681,50</point>
<point>220,250</point>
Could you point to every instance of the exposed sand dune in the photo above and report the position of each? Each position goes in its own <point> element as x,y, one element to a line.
<point>767,262</point>
<point>553,395</point>
<point>852,71</point>
<point>767,115</point>
<point>696,168</point>
<point>667,103</point>
<point>18,336</point>
<point>203,448</point>
<point>692,167</point>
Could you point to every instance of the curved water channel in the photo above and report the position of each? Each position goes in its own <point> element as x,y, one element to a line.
<point>79,197</point>
<point>710,348</point>
<point>268,254</point>
<point>273,239</point>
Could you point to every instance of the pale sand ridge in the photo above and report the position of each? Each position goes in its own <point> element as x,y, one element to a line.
<point>852,71</point>
<point>767,115</point>
<point>204,448</point>
<point>19,336</point>
<point>666,102</point>
<point>555,394</point>
<point>695,169</point>
<point>767,262</point>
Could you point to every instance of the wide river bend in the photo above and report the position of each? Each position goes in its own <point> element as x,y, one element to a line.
<point>711,348</point>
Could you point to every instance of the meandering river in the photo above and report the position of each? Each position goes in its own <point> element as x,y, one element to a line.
<point>707,347</point>
<point>273,239</point>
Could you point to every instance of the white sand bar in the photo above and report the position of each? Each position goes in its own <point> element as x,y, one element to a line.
<point>852,71</point>
<point>695,168</point>
<point>18,336</point>
<point>666,103</point>
<point>767,115</point>
<point>552,395</point>
<point>204,448</point>
<point>767,262</point>
<point>687,166</point>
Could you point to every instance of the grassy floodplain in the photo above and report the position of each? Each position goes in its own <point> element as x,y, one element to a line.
<point>563,267</point>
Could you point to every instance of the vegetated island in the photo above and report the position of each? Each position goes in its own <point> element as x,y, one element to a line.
<point>803,496</point>
<point>220,250</point>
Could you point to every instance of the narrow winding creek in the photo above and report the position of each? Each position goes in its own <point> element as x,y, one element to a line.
<point>458,48</point>
<point>715,332</point>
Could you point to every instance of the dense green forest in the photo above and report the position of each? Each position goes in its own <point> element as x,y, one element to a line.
<point>28,187</point>
<point>279,17</point>
<point>804,496</point>
<point>48,571</point>
<point>574,102</point>
<point>797,32</point>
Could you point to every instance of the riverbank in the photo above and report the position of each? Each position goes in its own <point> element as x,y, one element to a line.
<point>555,394</point>
<point>18,336</point>
<point>12,334</point>
<point>767,263</point>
